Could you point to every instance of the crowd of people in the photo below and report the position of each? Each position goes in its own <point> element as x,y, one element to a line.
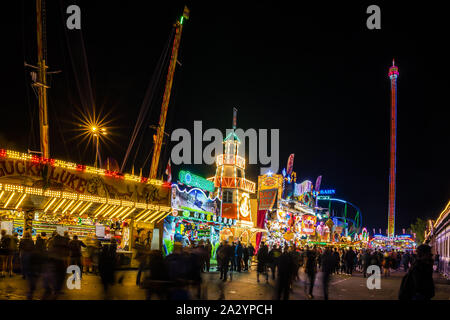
<point>180,273</point>
<point>46,259</point>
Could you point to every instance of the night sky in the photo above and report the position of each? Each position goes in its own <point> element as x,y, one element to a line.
<point>314,72</point>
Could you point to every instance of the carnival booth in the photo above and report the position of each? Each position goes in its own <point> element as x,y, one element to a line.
<point>47,195</point>
<point>196,213</point>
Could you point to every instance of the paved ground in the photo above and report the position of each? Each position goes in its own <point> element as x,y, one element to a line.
<point>242,287</point>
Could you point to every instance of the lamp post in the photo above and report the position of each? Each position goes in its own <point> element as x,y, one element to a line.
<point>96,132</point>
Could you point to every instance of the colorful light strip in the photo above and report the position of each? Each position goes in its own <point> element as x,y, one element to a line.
<point>20,201</point>
<point>85,208</point>
<point>49,205</point>
<point>59,205</point>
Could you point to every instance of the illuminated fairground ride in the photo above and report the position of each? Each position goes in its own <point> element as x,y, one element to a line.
<point>346,222</point>
<point>404,242</point>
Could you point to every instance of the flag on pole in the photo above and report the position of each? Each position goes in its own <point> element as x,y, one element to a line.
<point>169,171</point>
<point>379,230</point>
<point>374,231</point>
<point>403,231</point>
<point>234,117</point>
<point>318,181</point>
<point>290,164</point>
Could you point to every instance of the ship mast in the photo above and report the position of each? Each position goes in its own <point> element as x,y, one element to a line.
<point>41,82</point>
<point>158,138</point>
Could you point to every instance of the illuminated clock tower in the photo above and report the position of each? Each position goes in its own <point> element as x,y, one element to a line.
<point>232,187</point>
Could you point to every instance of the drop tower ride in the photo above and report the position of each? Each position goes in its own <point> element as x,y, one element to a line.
<point>393,75</point>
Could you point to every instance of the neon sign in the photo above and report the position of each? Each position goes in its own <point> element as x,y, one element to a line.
<point>193,180</point>
<point>329,191</point>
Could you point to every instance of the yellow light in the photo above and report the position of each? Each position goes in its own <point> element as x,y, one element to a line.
<point>9,199</point>
<point>109,211</point>
<point>85,208</point>
<point>50,204</point>
<point>99,211</point>
<point>117,212</point>
<point>129,212</point>
<point>59,205</point>
<point>141,214</point>
<point>68,206</point>
<point>76,207</point>
<point>144,215</point>
<point>161,216</point>
<point>152,215</point>
<point>118,215</point>
<point>93,129</point>
<point>2,193</point>
<point>20,201</point>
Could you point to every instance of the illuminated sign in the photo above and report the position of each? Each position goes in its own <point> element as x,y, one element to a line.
<point>193,180</point>
<point>329,191</point>
<point>323,197</point>
<point>244,205</point>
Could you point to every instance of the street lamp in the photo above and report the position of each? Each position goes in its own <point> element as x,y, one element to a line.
<point>96,132</point>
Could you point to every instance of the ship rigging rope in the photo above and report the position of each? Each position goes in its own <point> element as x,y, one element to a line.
<point>148,99</point>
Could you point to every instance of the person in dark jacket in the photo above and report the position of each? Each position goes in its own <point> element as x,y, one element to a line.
<point>245,257</point>
<point>55,269</point>
<point>156,280</point>
<point>337,258</point>
<point>418,283</point>
<point>208,248</point>
<point>328,264</point>
<point>5,252</point>
<point>75,252</point>
<point>285,270</point>
<point>350,260</point>
<point>251,253</point>
<point>225,255</point>
<point>239,254</point>
<point>365,262</point>
<point>27,262</point>
<point>274,254</point>
<point>262,256</point>
<point>66,240</point>
<point>233,257</point>
<point>405,261</point>
<point>107,265</point>
<point>311,269</point>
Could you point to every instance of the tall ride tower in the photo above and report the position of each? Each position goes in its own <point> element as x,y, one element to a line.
<point>393,75</point>
<point>233,188</point>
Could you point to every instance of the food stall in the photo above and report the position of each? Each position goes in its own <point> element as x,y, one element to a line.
<point>47,195</point>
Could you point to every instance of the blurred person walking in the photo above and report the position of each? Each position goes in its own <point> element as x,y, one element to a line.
<point>251,253</point>
<point>28,262</point>
<point>75,253</point>
<point>107,265</point>
<point>238,254</point>
<point>5,252</point>
<point>245,256</point>
<point>263,260</point>
<point>208,249</point>
<point>418,283</point>
<point>55,268</point>
<point>328,264</point>
<point>284,276</point>
<point>311,270</point>
<point>405,261</point>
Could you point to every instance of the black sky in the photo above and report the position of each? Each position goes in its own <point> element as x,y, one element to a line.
<point>313,71</point>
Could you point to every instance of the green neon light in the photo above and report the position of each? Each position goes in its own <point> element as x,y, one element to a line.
<point>181,20</point>
<point>193,180</point>
<point>197,210</point>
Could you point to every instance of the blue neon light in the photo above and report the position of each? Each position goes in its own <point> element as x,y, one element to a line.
<point>328,191</point>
